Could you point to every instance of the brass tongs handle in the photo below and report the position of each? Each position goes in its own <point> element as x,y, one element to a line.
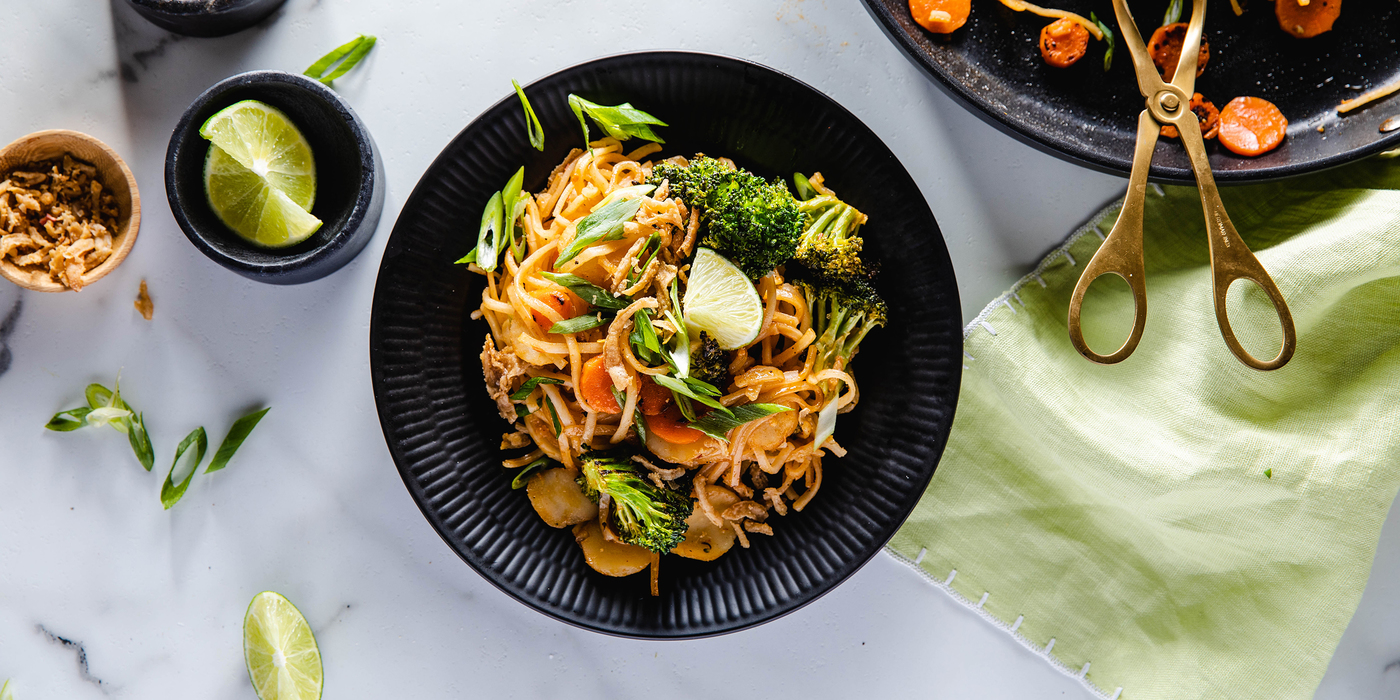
<point>1121,252</point>
<point>1231,259</point>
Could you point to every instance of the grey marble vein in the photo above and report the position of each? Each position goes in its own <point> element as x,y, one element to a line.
<point>78,648</point>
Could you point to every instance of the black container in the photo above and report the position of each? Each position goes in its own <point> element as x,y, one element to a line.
<point>205,17</point>
<point>349,179</point>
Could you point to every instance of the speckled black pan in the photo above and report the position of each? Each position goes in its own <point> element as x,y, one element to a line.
<point>444,433</point>
<point>992,66</point>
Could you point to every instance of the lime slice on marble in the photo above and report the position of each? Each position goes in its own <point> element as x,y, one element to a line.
<point>720,300</point>
<point>262,139</point>
<point>247,203</point>
<point>280,650</point>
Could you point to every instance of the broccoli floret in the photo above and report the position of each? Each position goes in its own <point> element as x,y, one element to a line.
<point>752,222</point>
<point>844,307</point>
<point>830,241</point>
<point>643,514</point>
<point>691,183</point>
<point>709,363</point>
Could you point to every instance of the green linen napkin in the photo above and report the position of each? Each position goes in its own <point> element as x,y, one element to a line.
<point>1179,526</point>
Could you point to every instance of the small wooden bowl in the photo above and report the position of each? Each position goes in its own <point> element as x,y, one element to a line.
<point>115,176</point>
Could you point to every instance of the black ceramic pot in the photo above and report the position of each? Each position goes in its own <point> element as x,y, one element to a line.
<point>205,17</point>
<point>349,179</point>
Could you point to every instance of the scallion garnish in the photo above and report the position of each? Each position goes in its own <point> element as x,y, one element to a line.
<point>686,389</point>
<point>529,387</point>
<point>488,239</point>
<point>106,407</point>
<point>558,428</point>
<point>533,130</point>
<point>522,477</point>
<point>621,122</point>
<point>1173,13</point>
<point>348,54</point>
<point>579,324</point>
<point>171,492</point>
<point>1107,38</point>
<point>605,224</point>
<point>717,424</point>
<point>587,291</point>
<point>512,205</point>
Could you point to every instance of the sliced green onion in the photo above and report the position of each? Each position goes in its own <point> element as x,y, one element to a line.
<point>718,425</point>
<point>140,440</point>
<point>579,324</point>
<point>678,386</point>
<point>604,224</point>
<point>587,291</point>
<point>171,492</point>
<point>529,387</point>
<point>533,130</point>
<point>522,477</point>
<point>488,240</point>
<point>558,428</point>
<point>1173,13</point>
<point>348,54</point>
<point>1107,38</point>
<point>470,257</point>
<point>621,122</point>
<point>71,419</point>
<point>236,435</point>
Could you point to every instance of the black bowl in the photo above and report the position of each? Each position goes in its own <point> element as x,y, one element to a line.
<point>444,433</point>
<point>205,17</point>
<point>349,179</point>
<point>992,66</point>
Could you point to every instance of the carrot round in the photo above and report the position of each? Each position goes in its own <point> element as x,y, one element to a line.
<point>940,16</point>
<point>1165,49</point>
<point>596,386</point>
<point>1251,126</point>
<point>563,302</point>
<point>1304,21</point>
<point>1206,113</point>
<point>1063,42</point>
<point>654,397</point>
<point>670,425</point>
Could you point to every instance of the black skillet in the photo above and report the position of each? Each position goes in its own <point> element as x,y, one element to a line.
<point>1088,116</point>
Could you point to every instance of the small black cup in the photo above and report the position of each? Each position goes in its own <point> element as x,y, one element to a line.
<point>205,17</point>
<point>349,179</point>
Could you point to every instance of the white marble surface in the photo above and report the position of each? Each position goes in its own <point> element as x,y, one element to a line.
<point>103,593</point>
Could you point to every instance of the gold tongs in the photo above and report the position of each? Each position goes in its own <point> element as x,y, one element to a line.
<point>1121,253</point>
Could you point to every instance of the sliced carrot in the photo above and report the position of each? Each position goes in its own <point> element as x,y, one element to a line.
<point>940,16</point>
<point>1251,126</point>
<point>1063,42</point>
<point>597,385</point>
<point>563,302</point>
<point>654,397</point>
<point>1304,21</point>
<point>1165,48</point>
<point>670,425</point>
<point>1206,113</point>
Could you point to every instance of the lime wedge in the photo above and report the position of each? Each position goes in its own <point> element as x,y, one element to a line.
<point>262,139</point>
<point>248,204</point>
<point>720,300</point>
<point>283,660</point>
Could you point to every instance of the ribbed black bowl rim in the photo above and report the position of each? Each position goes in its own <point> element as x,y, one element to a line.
<point>1049,141</point>
<point>950,367</point>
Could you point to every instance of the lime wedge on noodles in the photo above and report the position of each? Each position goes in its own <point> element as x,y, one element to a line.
<point>720,300</point>
<point>246,203</point>
<point>283,660</point>
<point>262,139</point>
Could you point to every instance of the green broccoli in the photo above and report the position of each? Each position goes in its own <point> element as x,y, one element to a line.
<point>844,309</point>
<point>829,237</point>
<point>752,222</point>
<point>644,515</point>
<point>709,363</point>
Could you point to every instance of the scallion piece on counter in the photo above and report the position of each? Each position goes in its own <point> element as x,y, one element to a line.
<point>348,54</point>
<point>171,492</point>
<point>236,435</point>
